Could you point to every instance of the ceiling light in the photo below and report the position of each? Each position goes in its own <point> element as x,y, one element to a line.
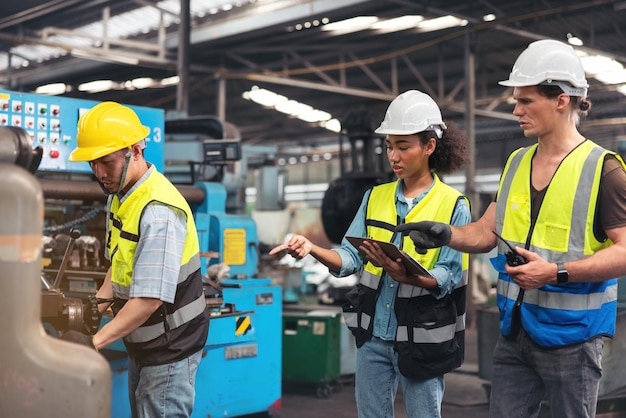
<point>52,89</point>
<point>170,81</point>
<point>612,77</point>
<point>96,86</point>
<point>264,97</point>
<point>574,40</point>
<point>314,115</point>
<point>292,107</point>
<point>594,64</point>
<point>440,23</point>
<point>332,125</point>
<point>142,83</point>
<point>351,25</point>
<point>489,17</point>
<point>397,24</point>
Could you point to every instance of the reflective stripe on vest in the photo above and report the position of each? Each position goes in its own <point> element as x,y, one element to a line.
<point>431,335</point>
<point>563,232</point>
<point>125,218</point>
<point>381,219</point>
<point>173,320</point>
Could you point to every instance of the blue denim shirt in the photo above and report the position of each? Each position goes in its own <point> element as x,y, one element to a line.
<point>447,269</point>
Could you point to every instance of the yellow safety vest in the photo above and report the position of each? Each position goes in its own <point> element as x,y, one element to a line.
<point>186,318</point>
<point>430,333</point>
<point>563,231</point>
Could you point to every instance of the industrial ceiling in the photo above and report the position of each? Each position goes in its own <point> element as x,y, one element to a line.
<point>282,46</point>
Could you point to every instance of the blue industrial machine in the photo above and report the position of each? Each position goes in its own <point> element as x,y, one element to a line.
<point>240,372</point>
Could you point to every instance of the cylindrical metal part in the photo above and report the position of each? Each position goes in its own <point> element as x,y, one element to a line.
<point>41,375</point>
<point>91,191</point>
<point>15,148</point>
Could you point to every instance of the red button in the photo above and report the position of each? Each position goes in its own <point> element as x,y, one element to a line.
<point>54,153</point>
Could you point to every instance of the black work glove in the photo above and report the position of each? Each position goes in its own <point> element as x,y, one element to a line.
<point>78,338</point>
<point>426,234</point>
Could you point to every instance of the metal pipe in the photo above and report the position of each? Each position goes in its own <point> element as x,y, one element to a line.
<point>184,33</point>
<point>74,234</point>
<point>91,191</point>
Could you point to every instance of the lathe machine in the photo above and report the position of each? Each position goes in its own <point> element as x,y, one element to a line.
<point>241,368</point>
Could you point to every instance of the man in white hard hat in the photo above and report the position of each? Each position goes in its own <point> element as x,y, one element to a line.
<point>561,205</point>
<point>409,328</point>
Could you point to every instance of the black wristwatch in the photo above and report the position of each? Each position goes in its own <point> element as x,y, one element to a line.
<point>561,274</point>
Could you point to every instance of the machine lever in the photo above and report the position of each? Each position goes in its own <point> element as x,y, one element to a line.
<point>74,234</point>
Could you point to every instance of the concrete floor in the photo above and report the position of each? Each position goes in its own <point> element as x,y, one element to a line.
<point>465,395</point>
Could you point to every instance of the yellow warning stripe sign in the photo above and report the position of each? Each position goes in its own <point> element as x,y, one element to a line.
<point>243,325</point>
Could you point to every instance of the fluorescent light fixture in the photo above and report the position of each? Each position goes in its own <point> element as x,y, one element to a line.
<point>142,82</point>
<point>52,89</point>
<point>351,25</point>
<point>574,40</point>
<point>397,24</point>
<point>96,86</point>
<point>292,107</point>
<point>332,125</point>
<point>314,115</point>
<point>612,77</point>
<point>264,97</point>
<point>169,81</point>
<point>489,17</point>
<point>594,64</point>
<point>440,23</point>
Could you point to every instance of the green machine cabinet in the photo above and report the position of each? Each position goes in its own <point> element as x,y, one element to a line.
<point>311,349</point>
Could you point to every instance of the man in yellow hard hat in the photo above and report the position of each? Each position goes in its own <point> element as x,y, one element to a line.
<point>154,279</point>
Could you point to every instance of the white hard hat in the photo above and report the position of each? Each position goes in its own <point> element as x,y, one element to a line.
<point>410,113</point>
<point>549,62</point>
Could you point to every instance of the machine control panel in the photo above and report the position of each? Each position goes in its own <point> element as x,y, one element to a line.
<point>51,122</point>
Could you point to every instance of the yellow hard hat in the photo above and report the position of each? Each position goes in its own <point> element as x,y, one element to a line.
<point>106,128</point>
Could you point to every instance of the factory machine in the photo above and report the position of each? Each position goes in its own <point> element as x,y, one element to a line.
<point>240,372</point>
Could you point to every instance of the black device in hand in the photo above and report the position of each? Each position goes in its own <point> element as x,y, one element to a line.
<point>512,257</point>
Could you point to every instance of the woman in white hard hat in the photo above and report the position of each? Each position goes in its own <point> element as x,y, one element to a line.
<point>409,328</point>
<point>562,204</point>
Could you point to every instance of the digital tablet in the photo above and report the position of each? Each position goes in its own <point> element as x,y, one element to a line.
<point>412,265</point>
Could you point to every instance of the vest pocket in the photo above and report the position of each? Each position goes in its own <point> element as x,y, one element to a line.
<point>433,347</point>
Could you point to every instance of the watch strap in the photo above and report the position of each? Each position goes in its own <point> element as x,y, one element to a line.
<point>561,274</point>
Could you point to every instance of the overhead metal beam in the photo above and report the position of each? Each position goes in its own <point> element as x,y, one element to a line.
<point>368,94</point>
<point>316,86</point>
<point>262,15</point>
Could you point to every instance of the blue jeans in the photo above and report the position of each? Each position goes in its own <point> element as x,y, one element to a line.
<point>377,376</point>
<point>165,390</point>
<point>524,373</point>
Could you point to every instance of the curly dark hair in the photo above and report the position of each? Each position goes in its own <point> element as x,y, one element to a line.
<point>452,151</point>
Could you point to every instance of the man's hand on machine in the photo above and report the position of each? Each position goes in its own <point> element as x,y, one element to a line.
<point>426,234</point>
<point>78,338</point>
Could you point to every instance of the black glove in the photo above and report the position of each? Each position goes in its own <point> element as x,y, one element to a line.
<point>426,234</point>
<point>78,338</point>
